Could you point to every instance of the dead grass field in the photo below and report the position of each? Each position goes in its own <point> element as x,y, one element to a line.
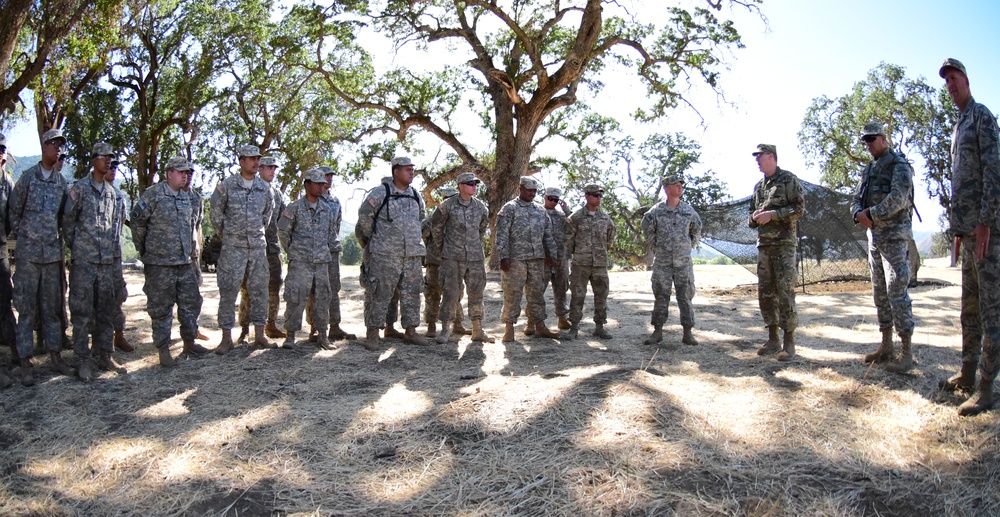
<point>537,427</point>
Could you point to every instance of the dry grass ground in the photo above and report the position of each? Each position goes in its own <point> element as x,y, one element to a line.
<point>536,427</point>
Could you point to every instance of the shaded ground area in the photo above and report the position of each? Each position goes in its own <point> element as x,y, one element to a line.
<point>536,427</point>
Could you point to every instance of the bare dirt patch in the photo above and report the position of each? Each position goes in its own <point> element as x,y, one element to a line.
<point>536,427</point>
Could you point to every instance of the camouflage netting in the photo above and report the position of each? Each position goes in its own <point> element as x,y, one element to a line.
<point>831,246</point>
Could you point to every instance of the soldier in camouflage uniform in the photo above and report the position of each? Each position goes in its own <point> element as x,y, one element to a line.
<point>975,186</point>
<point>198,238</point>
<point>392,314</point>
<point>162,225</point>
<point>589,235</point>
<point>672,229</point>
<point>34,207</point>
<point>778,202</point>
<point>558,275</point>
<point>388,229</point>
<point>88,223</point>
<point>7,322</point>
<point>120,288</point>
<point>457,230</point>
<point>268,167</point>
<point>307,230</point>
<point>525,246</point>
<point>336,333</point>
<point>432,282</point>
<point>242,206</point>
<point>883,204</point>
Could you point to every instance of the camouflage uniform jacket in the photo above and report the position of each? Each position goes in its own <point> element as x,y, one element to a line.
<point>392,229</point>
<point>308,233</point>
<point>119,223</point>
<point>433,256</point>
<point>886,189</point>
<point>198,217</point>
<point>671,233</point>
<point>162,225</point>
<point>240,215</point>
<point>89,221</point>
<point>458,227</point>
<point>6,188</point>
<point>524,231</point>
<point>271,233</point>
<point>338,214</point>
<point>782,194</point>
<point>558,219</point>
<point>589,237</point>
<point>975,166</point>
<point>34,209</point>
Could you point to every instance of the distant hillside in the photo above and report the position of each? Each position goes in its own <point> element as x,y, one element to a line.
<point>26,162</point>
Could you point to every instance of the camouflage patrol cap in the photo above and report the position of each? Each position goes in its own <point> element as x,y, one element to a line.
<point>467,177</point>
<point>766,148</point>
<point>314,175</point>
<point>400,161</point>
<point>529,183</point>
<point>593,188</point>
<point>114,161</point>
<point>268,161</point>
<point>553,191</point>
<point>952,63</point>
<point>53,134</point>
<point>873,129</point>
<point>673,178</point>
<point>101,149</point>
<point>326,170</point>
<point>179,163</point>
<point>447,192</point>
<point>247,150</point>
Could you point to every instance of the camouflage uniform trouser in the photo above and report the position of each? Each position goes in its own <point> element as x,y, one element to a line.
<point>307,282</point>
<point>776,274</point>
<point>981,306</point>
<point>433,293</point>
<point>38,298</point>
<point>333,273</point>
<point>890,265</point>
<point>273,292</point>
<point>91,305</point>
<point>528,277</point>
<point>121,294</point>
<point>385,274</point>
<point>8,325</point>
<point>455,273</point>
<point>237,265</point>
<point>166,285</point>
<point>560,285</point>
<point>392,313</point>
<point>579,276</point>
<point>662,279</point>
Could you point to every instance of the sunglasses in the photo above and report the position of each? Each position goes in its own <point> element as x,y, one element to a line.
<point>56,143</point>
<point>869,138</point>
<point>552,198</point>
<point>471,183</point>
<point>598,195</point>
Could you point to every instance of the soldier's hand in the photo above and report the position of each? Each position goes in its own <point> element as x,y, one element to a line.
<point>865,219</point>
<point>762,216</point>
<point>982,233</point>
<point>505,265</point>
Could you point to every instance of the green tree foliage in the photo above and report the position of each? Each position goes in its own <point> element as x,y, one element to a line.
<point>95,116</point>
<point>918,120</point>
<point>351,255</point>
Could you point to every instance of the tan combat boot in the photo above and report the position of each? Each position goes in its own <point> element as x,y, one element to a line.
<point>529,327</point>
<point>201,336</point>
<point>884,352</point>
<point>260,339</point>
<point>772,346</point>
<point>26,372</point>
<point>244,334</point>
<point>982,401</point>
<point>86,369</point>
<point>964,380</point>
<point>289,342</point>
<point>542,331</point>
<point>905,362</point>
<point>508,332</point>
<point>272,331</point>
<point>688,338</point>
<point>458,329</point>
<point>431,329</point>
<point>391,332</point>
<point>372,341</point>
<point>60,365</point>
<point>572,333</point>
<point>337,333</point>
<point>121,343</point>
<point>413,338</point>
<point>600,331</point>
<point>192,348</point>
<point>478,334</point>
<point>227,342</point>
<point>323,342</point>
<point>788,352</point>
<point>564,323</point>
<point>107,363</point>
<point>445,333</point>
<point>166,360</point>
<point>655,337</point>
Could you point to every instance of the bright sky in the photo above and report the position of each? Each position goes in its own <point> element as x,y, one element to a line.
<point>811,48</point>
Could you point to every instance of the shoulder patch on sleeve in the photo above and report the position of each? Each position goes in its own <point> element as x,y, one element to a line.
<point>371,201</point>
<point>220,189</point>
<point>72,194</point>
<point>500,213</point>
<point>288,214</point>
